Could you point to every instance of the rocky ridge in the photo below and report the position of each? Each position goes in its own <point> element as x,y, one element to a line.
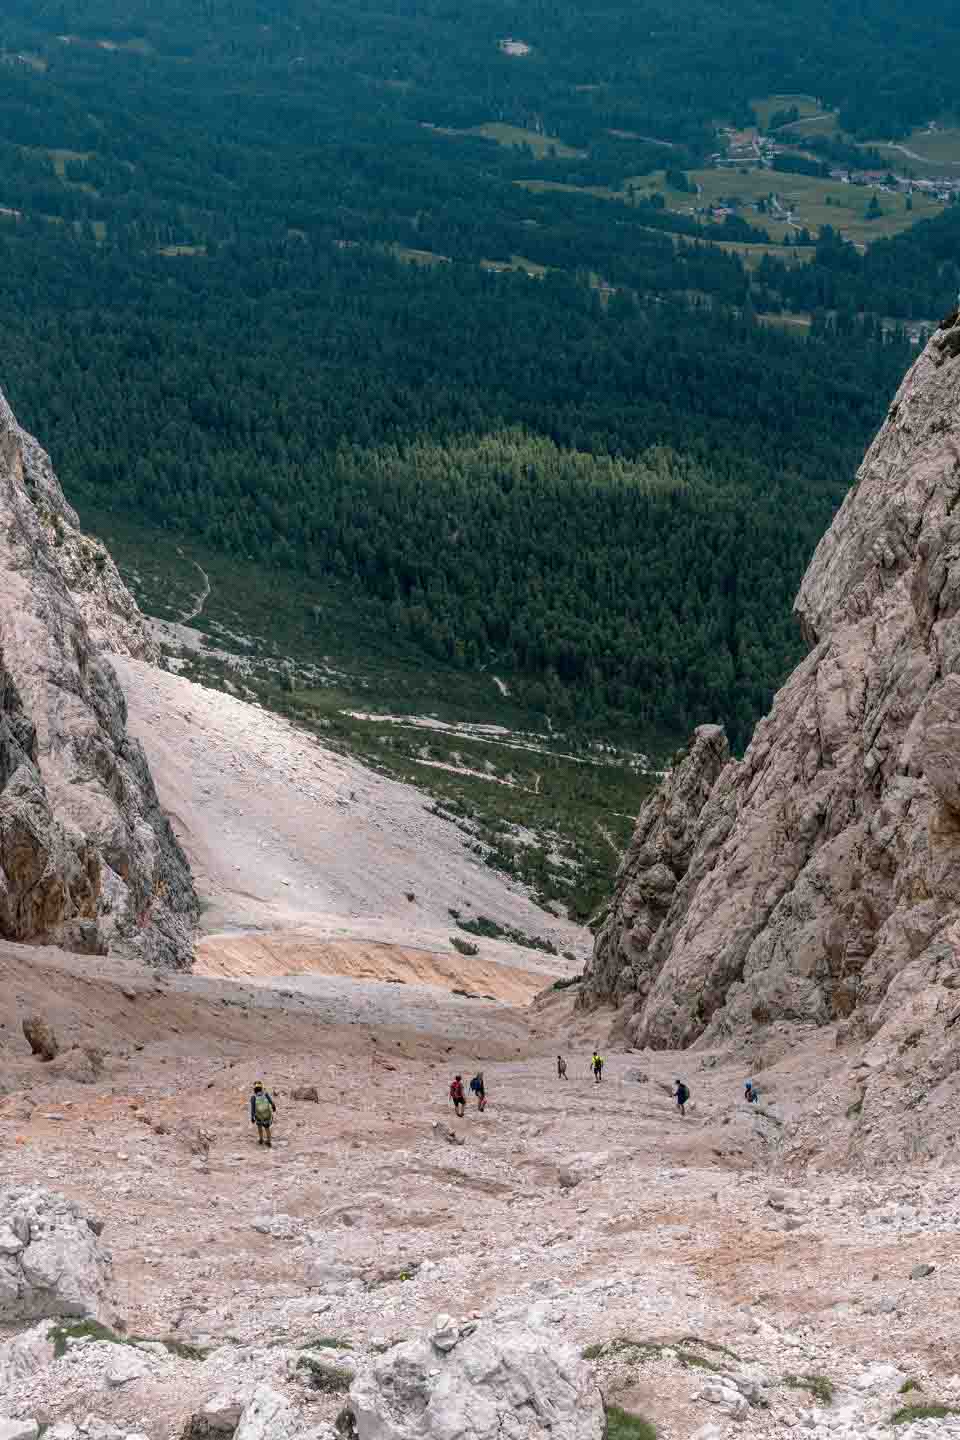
<point>88,860</point>
<point>817,880</point>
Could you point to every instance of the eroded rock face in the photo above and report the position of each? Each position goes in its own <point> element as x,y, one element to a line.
<point>87,858</point>
<point>51,1261</point>
<point>819,879</point>
<point>496,1381</point>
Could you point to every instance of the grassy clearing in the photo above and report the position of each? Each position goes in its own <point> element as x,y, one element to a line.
<point>621,1425</point>
<point>515,137</point>
<point>60,159</point>
<point>786,321</point>
<point>174,251</point>
<point>925,152</point>
<point>429,258</point>
<point>516,262</point>
<point>813,202</point>
<point>767,105</point>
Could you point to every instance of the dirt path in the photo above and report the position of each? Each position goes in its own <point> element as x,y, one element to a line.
<point>668,1232</point>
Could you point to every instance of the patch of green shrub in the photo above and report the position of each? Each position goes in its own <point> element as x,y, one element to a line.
<point>621,1425</point>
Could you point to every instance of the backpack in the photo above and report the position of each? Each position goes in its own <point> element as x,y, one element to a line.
<point>683,1094</point>
<point>262,1109</point>
<point>475,1085</point>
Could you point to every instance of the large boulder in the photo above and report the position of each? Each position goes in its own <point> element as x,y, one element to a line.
<point>26,1354</point>
<point>497,1383</point>
<point>40,1036</point>
<point>267,1416</point>
<point>51,1261</point>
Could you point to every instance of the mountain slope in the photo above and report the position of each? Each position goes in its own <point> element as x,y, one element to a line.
<point>87,857</point>
<point>818,879</point>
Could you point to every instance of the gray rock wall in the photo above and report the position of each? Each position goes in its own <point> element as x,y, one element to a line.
<point>818,879</point>
<point>87,858</point>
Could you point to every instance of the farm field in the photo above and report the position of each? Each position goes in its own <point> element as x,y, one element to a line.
<point>516,137</point>
<point>768,105</point>
<point>813,201</point>
<point>924,152</point>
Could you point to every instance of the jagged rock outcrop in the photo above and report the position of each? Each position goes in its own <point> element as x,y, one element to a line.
<point>87,858</point>
<point>818,879</point>
<point>51,1261</point>
<point>486,1383</point>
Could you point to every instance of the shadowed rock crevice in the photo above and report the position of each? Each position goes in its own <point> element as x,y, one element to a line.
<point>818,878</point>
<point>87,858</point>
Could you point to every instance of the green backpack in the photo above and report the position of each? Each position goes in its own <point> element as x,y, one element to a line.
<point>262,1110</point>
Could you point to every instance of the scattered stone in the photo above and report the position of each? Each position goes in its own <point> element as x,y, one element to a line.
<point>279,1227</point>
<point>267,1416</point>
<point>26,1354</point>
<point>61,1269</point>
<point>415,1392</point>
<point>725,1394</point>
<point>568,1178</point>
<point>920,1272</point>
<point>445,1333</point>
<point>40,1037</point>
<point>306,1092</point>
<point>128,1364</point>
<point>446,1133</point>
<point>223,1412</point>
<point>18,1429</point>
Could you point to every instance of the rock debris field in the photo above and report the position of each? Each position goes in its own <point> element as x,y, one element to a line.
<point>395,1272</point>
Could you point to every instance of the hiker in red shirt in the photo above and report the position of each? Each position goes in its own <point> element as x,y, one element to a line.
<point>457,1096</point>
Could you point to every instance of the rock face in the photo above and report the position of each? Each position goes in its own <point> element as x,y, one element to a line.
<point>87,858</point>
<point>51,1260</point>
<point>492,1383</point>
<point>818,879</point>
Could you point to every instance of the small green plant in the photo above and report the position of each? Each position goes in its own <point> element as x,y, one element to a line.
<point>328,1379</point>
<point>182,1349</point>
<point>907,1386</point>
<point>621,1425</point>
<point>327,1342</point>
<point>819,1386</point>
<point>79,1332</point>
<point>63,1336</point>
<point>908,1413</point>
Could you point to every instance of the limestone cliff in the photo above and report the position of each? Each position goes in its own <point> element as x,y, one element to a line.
<point>87,858</point>
<point>818,879</point>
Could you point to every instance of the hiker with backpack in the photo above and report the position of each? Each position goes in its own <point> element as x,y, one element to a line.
<point>561,1068</point>
<point>479,1089</point>
<point>750,1093</point>
<point>262,1110</point>
<point>682,1094</point>
<point>457,1096</point>
<point>596,1065</point>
